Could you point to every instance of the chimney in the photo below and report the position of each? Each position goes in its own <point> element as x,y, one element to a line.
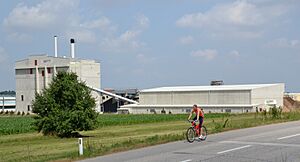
<point>55,46</point>
<point>72,48</point>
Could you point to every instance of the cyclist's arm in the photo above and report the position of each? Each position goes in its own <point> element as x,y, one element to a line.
<point>191,113</point>
<point>198,114</point>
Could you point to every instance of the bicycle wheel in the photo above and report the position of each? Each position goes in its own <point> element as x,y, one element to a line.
<point>204,133</point>
<point>190,134</point>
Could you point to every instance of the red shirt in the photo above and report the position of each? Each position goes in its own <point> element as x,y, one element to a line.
<point>200,112</point>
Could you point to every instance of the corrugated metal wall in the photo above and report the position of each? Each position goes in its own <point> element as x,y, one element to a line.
<point>200,97</point>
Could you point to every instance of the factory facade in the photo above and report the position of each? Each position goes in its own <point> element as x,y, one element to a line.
<point>220,98</point>
<point>36,72</point>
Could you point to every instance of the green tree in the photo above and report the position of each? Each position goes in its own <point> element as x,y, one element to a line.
<point>65,107</point>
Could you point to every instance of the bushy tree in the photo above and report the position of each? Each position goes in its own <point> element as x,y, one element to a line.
<point>66,106</point>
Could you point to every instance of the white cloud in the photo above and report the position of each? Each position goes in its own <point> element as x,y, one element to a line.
<point>237,34</point>
<point>84,36</point>
<point>20,37</point>
<point>284,43</point>
<point>242,19</point>
<point>127,41</point>
<point>237,13</point>
<point>235,54</point>
<point>129,35</point>
<point>207,54</point>
<point>103,23</point>
<point>186,40</point>
<point>144,59</point>
<point>44,15</point>
<point>3,55</point>
<point>142,21</point>
<point>98,23</point>
<point>64,17</point>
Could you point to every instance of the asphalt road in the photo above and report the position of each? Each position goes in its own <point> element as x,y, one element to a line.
<point>271,143</point>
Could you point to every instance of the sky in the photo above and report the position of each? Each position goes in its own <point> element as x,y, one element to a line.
<point>145,44</point>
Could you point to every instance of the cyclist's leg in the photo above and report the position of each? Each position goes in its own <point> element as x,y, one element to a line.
<point>196,125</point>
<point>200,124</point>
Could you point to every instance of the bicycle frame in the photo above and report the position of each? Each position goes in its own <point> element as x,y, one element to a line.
<point>194,130</point>
<point>195,126</point>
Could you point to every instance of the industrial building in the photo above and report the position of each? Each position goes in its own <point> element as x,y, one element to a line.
<point>111,104</point>
<point>7,103</point>
<point>217,98</point>
<point>36,72</point>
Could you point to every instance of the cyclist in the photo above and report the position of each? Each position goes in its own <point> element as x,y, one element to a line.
<point>199,117</point>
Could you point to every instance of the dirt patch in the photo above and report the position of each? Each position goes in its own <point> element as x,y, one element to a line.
<point>290,105</point>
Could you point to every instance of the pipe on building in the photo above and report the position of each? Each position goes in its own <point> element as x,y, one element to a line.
<point>113,95</point>
<point>72,41</point>
<point>45,77</point>
<point>55,46</point>
<point>54,71</point>
<point>37,83</point>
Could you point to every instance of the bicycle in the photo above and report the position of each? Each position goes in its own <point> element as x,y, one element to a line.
<point>193,132</point>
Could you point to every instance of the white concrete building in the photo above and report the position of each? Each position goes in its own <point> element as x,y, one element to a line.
<point>36,72</point>
<point>222,98</point>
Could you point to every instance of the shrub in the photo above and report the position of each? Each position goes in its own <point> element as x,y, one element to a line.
<point>276,112</point>
<point>23,113</point>
<point>264,114</point>
<point>66,106</point>
<point>11,112</point>
<point>19,113</point>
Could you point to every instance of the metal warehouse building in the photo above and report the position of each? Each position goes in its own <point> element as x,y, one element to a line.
<point>222,98</point>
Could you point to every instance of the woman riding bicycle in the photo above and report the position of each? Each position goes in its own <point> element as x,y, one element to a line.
<point>199,117</point>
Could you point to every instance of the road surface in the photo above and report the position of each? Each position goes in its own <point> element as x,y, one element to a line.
<point>271,143</point>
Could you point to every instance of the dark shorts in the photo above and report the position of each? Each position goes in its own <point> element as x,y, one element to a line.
<point>200,120</point>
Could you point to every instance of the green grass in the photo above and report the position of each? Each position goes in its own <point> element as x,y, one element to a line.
<point>123,119</point>
<point>119,133</point>
<point>15,124</point>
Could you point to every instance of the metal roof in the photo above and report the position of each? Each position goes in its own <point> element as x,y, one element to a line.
<point>208,88</point>
<point>188,106</point>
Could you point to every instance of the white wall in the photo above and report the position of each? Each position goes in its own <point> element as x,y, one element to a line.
<point>275,92</point>
<point>195,97</point>
<point>87,70</point>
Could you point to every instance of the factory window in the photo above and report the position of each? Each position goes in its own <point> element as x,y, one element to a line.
<point>49,70</point>
<point>30,71</point>
<point>228,110</point>
<point>22,98</point>
<point>188,110</point>
<point>43,73</point>
<point>35,62</point>
<point>153,111</point>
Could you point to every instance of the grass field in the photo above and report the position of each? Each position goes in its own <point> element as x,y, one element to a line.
<point>15,124</point>
<point>117,133</point>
